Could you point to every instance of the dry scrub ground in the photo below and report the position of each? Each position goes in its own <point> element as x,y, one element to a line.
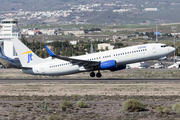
<point>24,100</point>
<point>122,74</point>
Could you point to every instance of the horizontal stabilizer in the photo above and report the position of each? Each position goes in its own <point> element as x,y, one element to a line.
<point>26,67</point>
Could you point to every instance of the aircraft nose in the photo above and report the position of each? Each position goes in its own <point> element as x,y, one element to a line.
<point>173,49</point>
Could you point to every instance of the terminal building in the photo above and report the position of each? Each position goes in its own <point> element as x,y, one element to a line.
<point>9,30</point>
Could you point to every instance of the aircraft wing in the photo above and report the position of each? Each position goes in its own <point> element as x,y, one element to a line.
<point>73,60</point>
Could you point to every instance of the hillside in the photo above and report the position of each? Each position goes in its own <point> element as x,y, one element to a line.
<point>124,11</point>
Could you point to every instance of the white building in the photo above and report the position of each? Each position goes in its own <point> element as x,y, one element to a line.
<point>80,32</point>
<point>104,46</point>
<point>51,32</point>
<point>151,9</point>
<point>9,30</point>
<point>73,42</point>
<point>121,10</point>
<point>138,65</point>
<point>31,32</point>
<point>43,31</point>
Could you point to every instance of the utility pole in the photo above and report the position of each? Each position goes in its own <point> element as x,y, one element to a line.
<point>72,50</point>
<point>156,33</point>
<point>114,32</point>
<point>174,29</point>
<point>91,48</point>
<point>40,47</point>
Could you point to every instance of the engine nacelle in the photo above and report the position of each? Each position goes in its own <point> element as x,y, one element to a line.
<point>120,67</point>
<point>107,65</point>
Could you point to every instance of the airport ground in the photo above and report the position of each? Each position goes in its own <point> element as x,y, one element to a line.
<point>22,95</point>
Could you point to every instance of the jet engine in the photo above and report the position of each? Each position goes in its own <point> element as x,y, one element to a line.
<point>107,65</point>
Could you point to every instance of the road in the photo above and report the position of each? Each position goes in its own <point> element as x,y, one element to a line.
<point>93,102</point>
<point>90,80</point>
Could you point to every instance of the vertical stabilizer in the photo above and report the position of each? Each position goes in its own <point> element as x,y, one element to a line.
<point>26,56</point>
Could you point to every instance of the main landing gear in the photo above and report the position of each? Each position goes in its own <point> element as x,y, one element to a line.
<point>92,74</point>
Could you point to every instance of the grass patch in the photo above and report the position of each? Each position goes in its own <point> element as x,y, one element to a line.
<point>65,104</point>
<point>132,105</point>
<point>81,104</point>
<point>176,108</point>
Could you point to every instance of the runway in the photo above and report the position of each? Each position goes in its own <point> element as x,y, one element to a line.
<point>92,102</point>
<point>108,80</point>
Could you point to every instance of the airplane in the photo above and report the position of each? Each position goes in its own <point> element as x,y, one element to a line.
<point>7,61</point>
<point>112,60</point>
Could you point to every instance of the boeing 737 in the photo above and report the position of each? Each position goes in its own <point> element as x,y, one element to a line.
<point>7,61</point>
<point>112,60</point>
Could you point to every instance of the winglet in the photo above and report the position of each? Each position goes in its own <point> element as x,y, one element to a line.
<point>50,52</point>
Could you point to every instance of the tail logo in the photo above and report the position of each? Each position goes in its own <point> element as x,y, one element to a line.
<point>29,56</point>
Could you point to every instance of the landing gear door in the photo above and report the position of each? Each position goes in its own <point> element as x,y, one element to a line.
<point>42,70</point>
<point>154,49</point>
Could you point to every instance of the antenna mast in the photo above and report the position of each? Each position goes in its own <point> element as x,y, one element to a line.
<point>114,32</point>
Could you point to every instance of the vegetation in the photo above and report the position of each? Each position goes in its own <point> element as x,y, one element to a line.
<point>110,111</point>
<point>43,106</point>
<point>92,30</point>
<point>167,110</point>
<point>65,104</point>
<point>64,48</point>
<point>53,117</point>
<point>160,109</point>
<point>81,104</point>
<point>132,105</point>
<point>176,108</point>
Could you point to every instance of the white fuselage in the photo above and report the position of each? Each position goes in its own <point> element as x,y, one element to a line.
<point>122,56</point>
<point>9,62</point>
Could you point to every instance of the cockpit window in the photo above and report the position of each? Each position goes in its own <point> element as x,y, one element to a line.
<point>164,46</point>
